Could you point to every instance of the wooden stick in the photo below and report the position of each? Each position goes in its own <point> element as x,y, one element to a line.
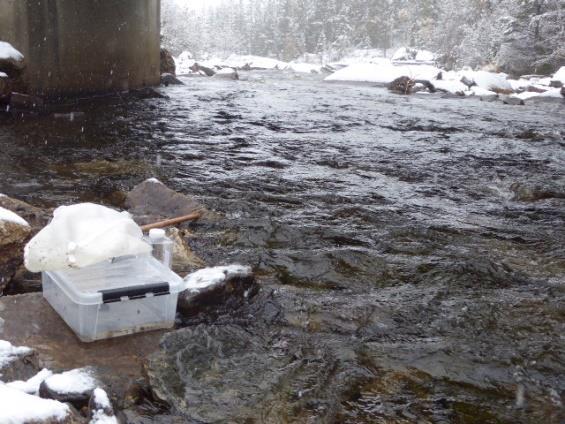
<point>173,221</point>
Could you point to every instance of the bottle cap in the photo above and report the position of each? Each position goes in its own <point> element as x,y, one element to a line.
<point>157,234</point>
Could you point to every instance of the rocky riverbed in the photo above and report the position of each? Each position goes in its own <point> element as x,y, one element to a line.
<point>408,252</point>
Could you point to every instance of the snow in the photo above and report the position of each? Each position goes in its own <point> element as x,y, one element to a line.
<point>17,407</point>
<point>489,80</point>
<point>519,84</point>
<point>551,92</point>
<point>425,56</point>
<point>101,398</point>
<point>79,380</point>
<point>81,235</point>
<point>383,73</point>
<point>153,180</point>
<point>7,215</point>
<point>8,52</point>
<point>3,75</point>
<point>361,56</point>
<point>99,417</point>
<point>559,75</point>
<point>183,63</point>
<point>31,386</point>
<point>405,54</point>
<point>304,68</point>
<point>258,62</point>
<point>9,353</point>
<point>210,276</point>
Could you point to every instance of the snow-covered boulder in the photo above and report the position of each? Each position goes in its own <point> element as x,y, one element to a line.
<point>183,63</point>
<point>100,408</point>
<point>82,235</point>
<point>17,362</point>
<point>227,73</point>
<point>209,289</point>
<point>559,75</point>
<point>254,62</point>
<point>489,80</point>
<point>384,73</point>
<point>406,54</point>
<point>11,60</point>
<point>304,68</point>
<point>14,233</point>
<point>75,387</point>
<point>17,407</point>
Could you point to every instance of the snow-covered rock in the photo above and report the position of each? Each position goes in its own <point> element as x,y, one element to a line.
<point>10,353</point>
<point>31,386</point>
<point>383,73</point>
<point>488,80</point>
<point>183,63</point>
<point>82,235</point>
<point>559,75</point>
<point>17,407</point>
<point>227,73</point>
<point>207,277</point>
<point>406,54</point>
<point>75,386</point>
<point>100,408</point>
<point>450,86</point>
<point>10,58</point>
<point>304,68</point>
<point>551,92</point>
<point>254,62</point>
<point>9,216</point>
<point>14,233</point>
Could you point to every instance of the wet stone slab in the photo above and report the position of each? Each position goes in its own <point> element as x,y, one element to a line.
<point>30,321</point>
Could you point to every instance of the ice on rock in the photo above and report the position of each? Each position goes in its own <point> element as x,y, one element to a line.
<point>207,277</point>
<point>82,235</point>
<point>31,386</point>
<point>7,215</point>
<point>17,407</point>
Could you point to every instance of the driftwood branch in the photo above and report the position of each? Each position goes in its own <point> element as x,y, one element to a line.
<point>173,221</point>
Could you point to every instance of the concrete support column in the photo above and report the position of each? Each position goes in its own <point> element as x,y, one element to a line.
<point>84,46</point>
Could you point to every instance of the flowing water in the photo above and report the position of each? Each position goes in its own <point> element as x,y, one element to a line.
<point>426,232</point>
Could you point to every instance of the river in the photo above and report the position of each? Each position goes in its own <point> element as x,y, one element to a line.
<point>421,237</point>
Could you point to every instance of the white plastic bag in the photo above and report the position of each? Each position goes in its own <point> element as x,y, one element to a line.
<point>82,235</point>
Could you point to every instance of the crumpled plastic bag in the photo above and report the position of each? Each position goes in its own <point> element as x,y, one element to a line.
<point>81,235</point>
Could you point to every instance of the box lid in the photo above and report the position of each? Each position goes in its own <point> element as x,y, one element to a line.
<point>113,280</point>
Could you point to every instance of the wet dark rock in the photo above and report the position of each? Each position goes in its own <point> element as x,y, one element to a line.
<point>236,288</point>
<point>468,82</point>
<point>555,84</point>
<point>13,238</point>
<point>170,79</point>
<point>133,417</point>
<point>533,192</point>
<point>152,201</point>
<point>30,321</point>
<point>511,100</point>
<point>563,91</point>
<point>146,93</point>
<point>232,374</point>
<point>168,65</point>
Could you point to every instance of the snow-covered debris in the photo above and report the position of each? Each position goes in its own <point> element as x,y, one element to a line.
<point>17,407</point>
<point>383,73</point>
<point>559,75</point>
<point>551,92</point>
<point>304,68</point>
<point>9,353</point>
<point>227,73</point>
<point>7,215</point>
<point>9,53</point>
<point>31,386</point>
<point>82,235</point>
<point>207,277</point>
<point>100,408</point>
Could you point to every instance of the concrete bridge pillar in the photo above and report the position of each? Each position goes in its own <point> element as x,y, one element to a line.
<point>77,47</point>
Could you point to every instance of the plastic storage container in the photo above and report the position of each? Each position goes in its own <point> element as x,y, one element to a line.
<point>113,298</point>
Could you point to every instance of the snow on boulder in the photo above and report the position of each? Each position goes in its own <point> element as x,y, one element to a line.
<point>488,80</point>
<point>406,54</point>
<point>31,386</point>
<point>17,407</point>
<point>207,277</point>
<point>227,73</point>
<point>384,73</point>
<point>10,58</point>
<point>183,63</point>
<point>10,353</point>
<point>559,75</point>
<point>75,386</point>
<point>425,56</point>
<point>100,408</point>
<point>9,216</point>
<point>304,68</point>
<point>450,86</point>
<point>254,62</point>
<point>81,235</point>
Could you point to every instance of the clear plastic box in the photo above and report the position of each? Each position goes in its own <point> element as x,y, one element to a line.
<point>113,298</point>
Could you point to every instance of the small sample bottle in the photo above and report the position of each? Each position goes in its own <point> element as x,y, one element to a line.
<point>162,246</point>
